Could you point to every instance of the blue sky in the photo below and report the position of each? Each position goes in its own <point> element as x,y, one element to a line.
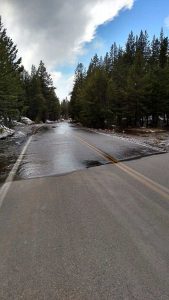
<point>147,15</point>
<point>63,33</point>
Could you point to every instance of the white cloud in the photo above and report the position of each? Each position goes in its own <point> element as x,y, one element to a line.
<point>64,82</point>
<point>56,30</point>
<point>166,22</point>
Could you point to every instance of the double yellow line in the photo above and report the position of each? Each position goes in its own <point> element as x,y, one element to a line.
<point>156,187</point>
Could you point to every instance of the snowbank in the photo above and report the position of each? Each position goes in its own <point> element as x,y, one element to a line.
<point>16,123</point>
<point>26,121</point>
<point>5,132</point>
<point>49,122</point>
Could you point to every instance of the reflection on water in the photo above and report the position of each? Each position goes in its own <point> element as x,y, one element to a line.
<point>50,153</point>
<point>64,128</point>
<point>42,156</point>
<point>56,152</point>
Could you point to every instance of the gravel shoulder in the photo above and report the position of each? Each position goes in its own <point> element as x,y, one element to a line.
<point>156,138</point>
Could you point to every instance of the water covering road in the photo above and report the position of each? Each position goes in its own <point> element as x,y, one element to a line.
<point>63,149</point>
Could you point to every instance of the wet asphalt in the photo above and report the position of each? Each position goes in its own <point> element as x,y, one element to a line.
<point>63,149</point>
<point>94,233</point>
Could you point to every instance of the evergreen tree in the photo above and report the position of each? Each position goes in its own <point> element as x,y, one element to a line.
<point>10,78</point>
<point>128,87</point>
<point>41,100</point>
<point>75,102</point>
<point>64,109</point>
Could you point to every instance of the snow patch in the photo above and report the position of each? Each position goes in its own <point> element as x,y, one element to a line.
<point>5,132</point>
<point>16,123</point>
<point>49,122</point>
<point>26,121</point>
<point>20,134</point>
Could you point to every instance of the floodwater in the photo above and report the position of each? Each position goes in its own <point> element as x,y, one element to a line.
<point>64,148</point>
<point>56,151</point>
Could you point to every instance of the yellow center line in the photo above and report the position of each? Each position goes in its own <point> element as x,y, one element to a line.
<point>158,188</point>
<point>101,153</point>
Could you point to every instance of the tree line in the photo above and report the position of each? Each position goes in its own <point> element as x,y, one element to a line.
<point>127,87</point>
<point>32,95</point>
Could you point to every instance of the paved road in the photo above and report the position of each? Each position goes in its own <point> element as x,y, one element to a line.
<point>98,233</point>
<point>66,148</point>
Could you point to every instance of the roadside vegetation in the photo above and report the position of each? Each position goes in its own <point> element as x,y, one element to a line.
<point>23,94</point>
<point>127,87</point>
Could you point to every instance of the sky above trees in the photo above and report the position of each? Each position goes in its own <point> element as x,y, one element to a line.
<point>61,33</point>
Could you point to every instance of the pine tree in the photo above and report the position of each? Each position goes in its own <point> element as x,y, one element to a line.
<point>10,78</point>
<point>41,100</point>
<point>64,109</point>
<point>128,87</point>
<point>75,102</point>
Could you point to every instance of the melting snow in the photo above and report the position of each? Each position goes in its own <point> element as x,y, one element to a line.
<point>5,132</point>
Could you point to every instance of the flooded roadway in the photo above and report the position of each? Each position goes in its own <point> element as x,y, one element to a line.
<point>56,151</point>
<point>65,148</point>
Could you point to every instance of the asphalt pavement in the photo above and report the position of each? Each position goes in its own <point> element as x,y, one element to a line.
<point>85,233</point>
<point>65,148</point>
